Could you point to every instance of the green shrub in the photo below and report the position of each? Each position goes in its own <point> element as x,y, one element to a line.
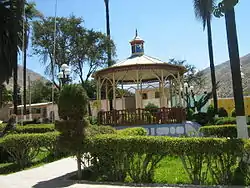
<point>233,113</point>
<point>115,157</point>
<point>93,120</point>
<point>73,102</point>
<point>220,131</point>
<point>222,112</point>
<point>210,111</point>
<point>25,147</point>
<point>39,128</point>
<point>201,118</point>
<point>225,120</point>
<point>151,107</point>
<point>136,131</point>
<point>94,130</point>
<point>190,114</point>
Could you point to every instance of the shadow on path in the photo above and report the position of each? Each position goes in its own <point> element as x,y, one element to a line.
<point>58,182</point>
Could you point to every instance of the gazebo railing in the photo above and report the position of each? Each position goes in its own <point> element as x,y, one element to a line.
<point>142,116</point>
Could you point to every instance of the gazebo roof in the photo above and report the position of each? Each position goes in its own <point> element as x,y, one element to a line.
<point>139,64</point>
<point>139,60</point>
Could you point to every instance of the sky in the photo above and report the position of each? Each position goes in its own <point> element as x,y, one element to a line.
<point>168,27</point>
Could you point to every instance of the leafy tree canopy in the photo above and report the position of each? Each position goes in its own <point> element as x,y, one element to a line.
<point>85,50</point>
<point>192,76</point>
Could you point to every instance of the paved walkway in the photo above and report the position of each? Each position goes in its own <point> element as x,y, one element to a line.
<point>51,175</point>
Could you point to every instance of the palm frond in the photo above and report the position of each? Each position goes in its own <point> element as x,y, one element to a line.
<point>203,10</point>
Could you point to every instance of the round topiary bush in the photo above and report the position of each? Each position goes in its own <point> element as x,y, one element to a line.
<point>73,102</point>
<point>222,112</point>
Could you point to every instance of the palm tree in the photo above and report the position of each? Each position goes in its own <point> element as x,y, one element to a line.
<point>30,13</point>
<point>227,8</point>
<point>109,49</point>
<point>10,20</point>
<point>203,11</point>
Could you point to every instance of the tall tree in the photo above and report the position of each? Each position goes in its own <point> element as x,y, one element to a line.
<point>30,13</point>
<point>226,7</point>
<point>203,11</point>
<point>10,19</point>
<point>110,63</point>
<point>83,49</point>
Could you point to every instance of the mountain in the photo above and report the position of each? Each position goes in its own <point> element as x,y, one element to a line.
<point>224,77</point>
<point>33,77</point>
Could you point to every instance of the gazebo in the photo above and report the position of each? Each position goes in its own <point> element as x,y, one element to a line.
<point>136,71</point>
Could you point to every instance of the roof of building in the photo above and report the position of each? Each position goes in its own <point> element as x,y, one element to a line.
<point>35,104</point>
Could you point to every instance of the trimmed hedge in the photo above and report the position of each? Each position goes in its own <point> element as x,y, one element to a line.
<point>23,148</point>
<point>42,128</point>
<point>117,158</point>
<point>220,131</point>
<point>94,130</point>
<point>225,120</point>
<point>136,131</point>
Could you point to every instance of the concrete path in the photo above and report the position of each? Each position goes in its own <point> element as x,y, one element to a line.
<point>52,175</point>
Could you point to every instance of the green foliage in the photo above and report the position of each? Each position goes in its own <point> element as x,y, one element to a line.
<point>77,46</point>
<point>225,121</point>
<point>151,107</point>
<point>5,95</point>
<point>201,118</point>
<point>222,112</point>
<point>136,131</point>
<point>73,102</point>
<point>220,131</point>
<point>190,113</point>
<point>41,92</point>
<point>210,111</point>
<point>94,130</point>
<point>36,128</point>
<point>71,134</point>
<point>42,128</point>
<point>23,148</point>
<point>115,157</point>
<point>233,113</point>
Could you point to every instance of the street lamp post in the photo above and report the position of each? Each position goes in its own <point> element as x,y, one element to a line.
<point>63,75</point>
<point>189,91</point>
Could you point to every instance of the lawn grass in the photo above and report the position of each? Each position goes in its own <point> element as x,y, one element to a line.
<point>171,171</point>
<point>42,158</point>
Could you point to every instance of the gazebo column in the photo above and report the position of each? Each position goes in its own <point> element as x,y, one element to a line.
<point>98,94</point>
<point>170,93</point>
<point>162,96</point>
<point>179,88</point>
<point>107,96</point>
<point>182,86</point>
<point>114,91</point>
<point>137,94</point>
<point>123,102</point>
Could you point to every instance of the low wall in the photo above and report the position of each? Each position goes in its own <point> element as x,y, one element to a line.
<point>188,128</point>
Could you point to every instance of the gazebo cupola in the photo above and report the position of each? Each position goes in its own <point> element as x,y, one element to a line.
<point>137,46</point>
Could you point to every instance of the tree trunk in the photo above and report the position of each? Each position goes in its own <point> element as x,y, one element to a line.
<point>109,49</point>
<point>15,85</point>
<point>212,68</point>
<point>1,96</point>
<point>79,168</point>
<point>233,50</point>
<point>24,73</point>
